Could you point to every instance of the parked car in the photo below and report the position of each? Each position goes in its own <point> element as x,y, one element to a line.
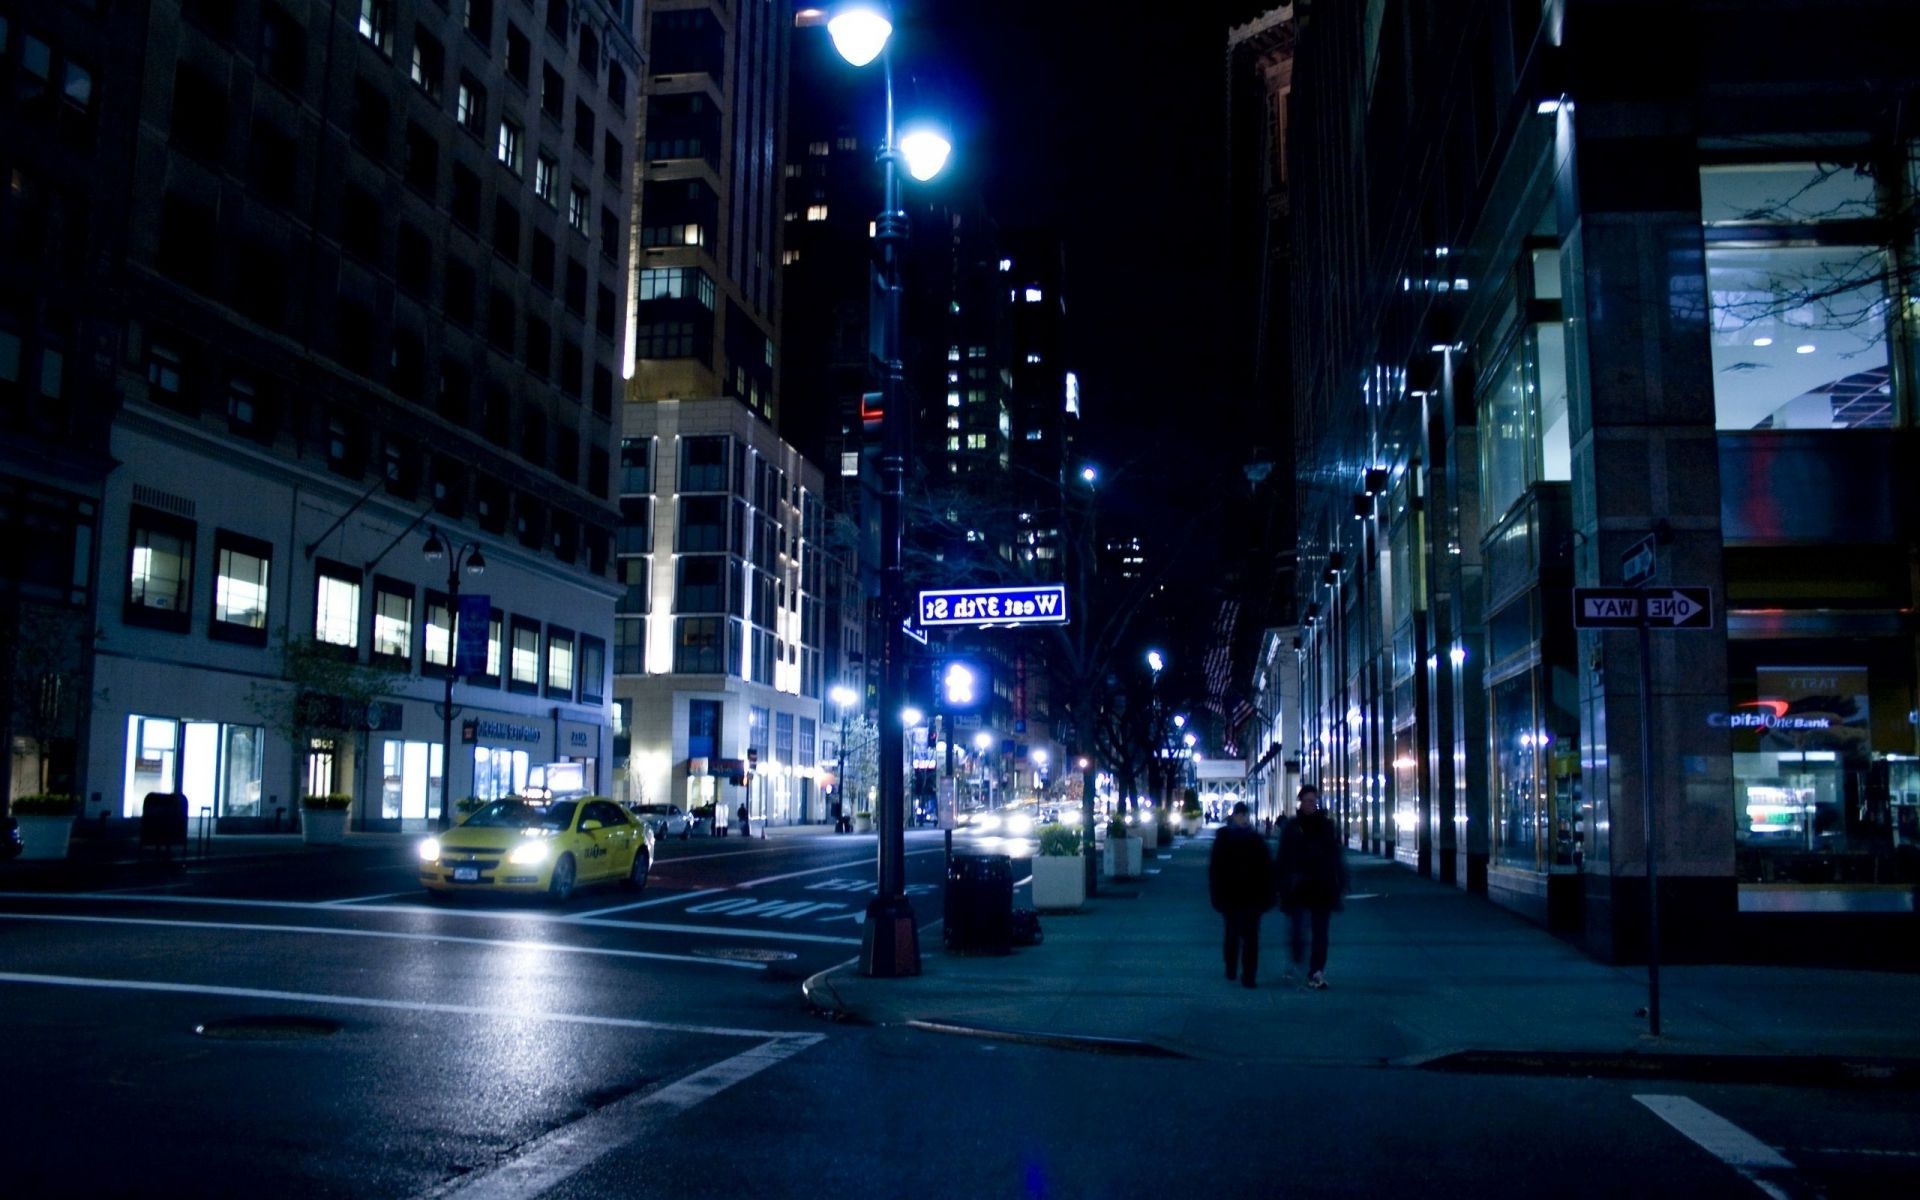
<point>668,820</point>
<point>517,846</point>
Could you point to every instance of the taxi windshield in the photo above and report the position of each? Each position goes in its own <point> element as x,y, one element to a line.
<point>518,814</point>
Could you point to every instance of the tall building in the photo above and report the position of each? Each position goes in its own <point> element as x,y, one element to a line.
<point>358,288</point>
<point>1589,294</point>
<point>723,526</point>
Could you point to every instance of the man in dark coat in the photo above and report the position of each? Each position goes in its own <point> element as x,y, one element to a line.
<point>1311,878</point>
<point>1240,877</point>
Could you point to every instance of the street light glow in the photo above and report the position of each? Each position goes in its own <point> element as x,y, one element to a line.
<point>1155,662</point>
<point>1089,474</point>
<point>1179,720</point>
<point>859,32</point>
<point>911,717</point>
<point>925,151</point>
<point>842,695</point>
<point>982,741</point>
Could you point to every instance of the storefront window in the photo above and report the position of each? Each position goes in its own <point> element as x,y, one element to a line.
<point>411,781</point>
<point>1518,788</point>
<point>499,773</point>
<point>219,767</point>
<point>243,756</point>
<point>1524,427</point>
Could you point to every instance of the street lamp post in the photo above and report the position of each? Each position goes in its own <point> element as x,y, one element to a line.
<point>843,698</point>
<point>890,940</point>
<point>468,556</point>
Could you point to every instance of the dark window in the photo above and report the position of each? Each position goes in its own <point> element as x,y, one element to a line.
<point>360,224</point>
<point>466,197</point>
<point>539,347</point>
<point>400,466</point>
<point>617,86</point>
<point>604,311</point>
<point>592,670</point>
<point>500,320</point>
<point>583,128</point>
<point>273,163</point>
<point>519,55</point>
<point>541,264</point>
<point>566,457</point>
<point>199,122</point>
<point>533,436</point>
<point>577,288</point>
<point>553,92</point>
<point>346,446</point>
<point>490,506</point>
<point>610,158</point>
<point>703,464</point>
<point>249,414</point>
<point>496,421</point>
<point>698,648</point>
<point>506,230</point>
<point>409,377</point>
<point>702,586</point>
<point>449,486</point>
<point>429,69</point>
<point>572,370</point>
<point>456,392</point>
<point>167,379</point>
<point>530,518</point>
<point>413,260</point>
<point>589,58</point>
<point>159,570</point>
<point>602,391</point>
<point>479,18</point>
<point>283,48</point>
<point>610,244</point>
<point>457,299</point>
<point>370,118</point>
<point>557,18</point>
<point>353,334</point>
<point>599,471</point>
<point>703,524</point>
<point>664,339</point>
<point>703,728</point>
<point>214,16</point>
<point>188,243</point>
<point>423,160</point>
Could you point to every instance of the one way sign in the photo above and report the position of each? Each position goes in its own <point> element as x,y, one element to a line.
<point>1679,608</point>
<point>1658,608</point>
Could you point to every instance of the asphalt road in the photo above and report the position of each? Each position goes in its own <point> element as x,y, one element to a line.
<point>313,1027</point>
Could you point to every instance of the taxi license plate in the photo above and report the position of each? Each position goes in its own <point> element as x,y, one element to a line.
<point>466,874</point>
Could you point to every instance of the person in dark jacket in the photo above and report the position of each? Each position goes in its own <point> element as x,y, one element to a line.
<point>1311,878</point>
<point>1240,877</point>
<point>745,831</point>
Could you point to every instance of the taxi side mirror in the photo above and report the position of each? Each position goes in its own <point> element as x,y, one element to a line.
<point>589,825</point>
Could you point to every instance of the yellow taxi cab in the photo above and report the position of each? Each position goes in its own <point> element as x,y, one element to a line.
<point>528,846</point>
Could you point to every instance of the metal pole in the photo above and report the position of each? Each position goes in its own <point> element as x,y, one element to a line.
<point>890,941</point>
<point>946,720</point>
<point>446,703</point>
<point>1648,828</point>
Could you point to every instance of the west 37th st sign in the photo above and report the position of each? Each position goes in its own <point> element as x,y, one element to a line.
<point>1045,605</point>
<point>1630,608</point>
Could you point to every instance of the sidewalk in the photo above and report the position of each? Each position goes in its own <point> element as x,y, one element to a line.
<point>1419,971</point>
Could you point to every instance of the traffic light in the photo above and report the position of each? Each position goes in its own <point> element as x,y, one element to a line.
<point>872,411</point>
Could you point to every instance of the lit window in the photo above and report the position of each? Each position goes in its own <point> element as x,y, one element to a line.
<point>578,201</point>
<point>429,62</point>
<point>162,568</point>
<point>240,589</point>
<point>953,443</point>
<point>545,182</point>
<point>376,23</point>
<point>1033,358</point>
<point>1006,264</point>
<point>392,623</point>
<point>817,149</point>
<point>1035,435</point>
<point>976,351</point>
<point>508,148</point>
<point>789,257</point>
<point>526,654</point>
<point>953,399</point>
<point>976,441</point>
<point>1033,295</point>
<point>693,235</point>
<point>437,648</point>
<point>560,662</point>
<point>470,105</point>
<point>336,611</point>
<point>953,420</point>
<point>849,462</point>
<point>953,354</point>
<point>816,212</point>
<point>846,143</point>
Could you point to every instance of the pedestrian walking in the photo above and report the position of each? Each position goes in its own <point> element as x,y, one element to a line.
<point>741,812</point>
<point>1240,879</point>
<point>1311,878</point>
<point>719,819</point>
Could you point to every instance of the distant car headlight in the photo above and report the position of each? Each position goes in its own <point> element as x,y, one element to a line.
<point>1020,825</point>
<point>430,850</point>
<point>987,822</point>
<point>528,854</point>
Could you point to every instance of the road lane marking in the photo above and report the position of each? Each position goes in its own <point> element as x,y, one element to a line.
<point>562,1153</point>
<point>368,899</point>
<point>823,870</point>
<point>1729,1143</point>
<point>677,896</point>
<point>390,935</point>
<point>412,1006</point>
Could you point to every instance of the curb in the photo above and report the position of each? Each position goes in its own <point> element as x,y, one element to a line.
<point>1086,1043</point>
<point>1796,1070</point>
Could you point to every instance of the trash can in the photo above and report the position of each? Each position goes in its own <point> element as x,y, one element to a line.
<point>979,905</point>
<point>163,821</point>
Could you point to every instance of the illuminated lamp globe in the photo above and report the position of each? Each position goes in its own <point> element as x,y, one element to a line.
<point>859,32</point>
<point>926,152</point>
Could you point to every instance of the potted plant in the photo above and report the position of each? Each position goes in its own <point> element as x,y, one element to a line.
<point>1122,853</point>
<point>46,823</point>
<point>863,822</point>
<point>464,808</point>
<point>323,819</point>
<point>1190,812</point>
<point>1059,877</point>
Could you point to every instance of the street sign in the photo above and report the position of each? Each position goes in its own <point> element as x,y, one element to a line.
<point>1606,608</point>
<point>1633,608</point>
<point>1679,608</point>
<point>907,627</point>
<point>1637,564</point>
<point>1044,605</point>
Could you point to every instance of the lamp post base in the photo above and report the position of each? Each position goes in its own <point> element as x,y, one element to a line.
<point>889,940</point>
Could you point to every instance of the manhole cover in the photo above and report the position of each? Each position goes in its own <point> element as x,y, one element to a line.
<point>738,954</point>
<point>268,1029</point>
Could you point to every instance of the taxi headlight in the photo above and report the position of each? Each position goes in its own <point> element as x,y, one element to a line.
<point>987,822</point>
<point>1020,825</point>
<point>529,854</point>
<point>430,850</point>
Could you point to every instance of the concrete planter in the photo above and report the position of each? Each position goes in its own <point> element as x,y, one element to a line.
<point>44,837</point>
<point>863,822</point>
<point>1122,857</point>
<point>1059,882</point>
<point>323,826</point>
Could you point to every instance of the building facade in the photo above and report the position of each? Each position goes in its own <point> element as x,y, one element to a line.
<point>372,281</point>
<point>1586,291</point>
